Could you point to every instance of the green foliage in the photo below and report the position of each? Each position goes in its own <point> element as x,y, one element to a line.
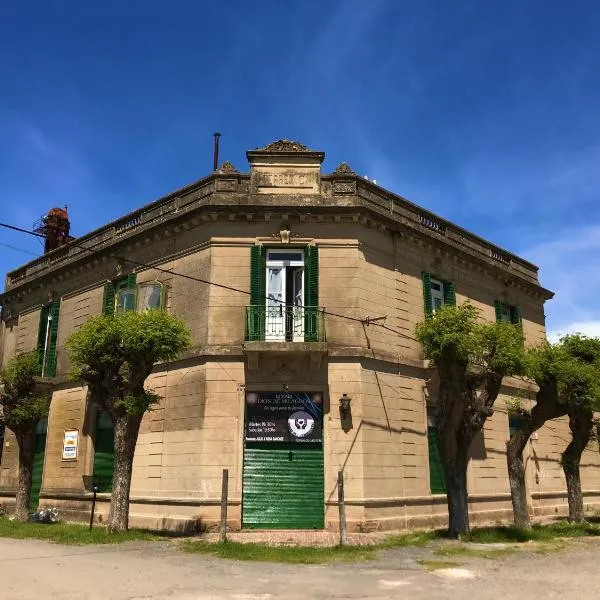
<point>107,341</point>
<point>574,364</point>
<point>137,405</point>
<point>579,372</point>
<point>116,353</point>
<point>70,533</point>
<point>455,334</point>
<point>22,403</point>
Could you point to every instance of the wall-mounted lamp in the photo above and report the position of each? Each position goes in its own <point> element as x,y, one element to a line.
<point>345,401</point>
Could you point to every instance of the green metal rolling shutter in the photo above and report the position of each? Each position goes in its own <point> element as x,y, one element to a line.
<point>51,352</point>
<point>255,325</point>
<point>427,293</point>
<point>283,488</point>
<point>311,294</point>
<point>108,303</point>
<point>449,293</point>
<point>104,452</point>
<point>436,473</point>
<point>38,466</point>
<point>42,331</point>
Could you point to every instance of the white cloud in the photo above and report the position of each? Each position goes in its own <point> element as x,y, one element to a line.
<point>589,328</point>
<point>569,267</point>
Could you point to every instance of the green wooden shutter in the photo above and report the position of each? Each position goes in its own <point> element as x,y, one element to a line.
<point>108,303</point>
<point>42,331</point>
<point>515,315</point>
<point>498,308</point>
<point>104,451</point>
<point>51,351</point>
<point>311,294</point>
<point>427,293</point>
<point>255,315</point>
<point>436,473</point>
<point>131,280</point>
<point>37,473</point>
<point>257,276</point>
<point>449,293</point>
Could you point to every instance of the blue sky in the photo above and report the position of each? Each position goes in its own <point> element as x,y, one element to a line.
<point>484,112</point>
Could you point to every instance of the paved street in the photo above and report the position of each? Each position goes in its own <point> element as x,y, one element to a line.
<point>146,571</point>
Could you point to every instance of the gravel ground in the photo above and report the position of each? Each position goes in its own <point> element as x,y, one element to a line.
<point>31,569</point>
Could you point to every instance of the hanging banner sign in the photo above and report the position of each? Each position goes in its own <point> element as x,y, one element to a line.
<point>284,417</point>
<point>70,444</point>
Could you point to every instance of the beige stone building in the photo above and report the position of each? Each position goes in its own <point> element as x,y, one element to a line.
<point>302,291</point>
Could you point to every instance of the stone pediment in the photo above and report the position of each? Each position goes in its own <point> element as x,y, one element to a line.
<point>285,167</point>
<point>284,145</point>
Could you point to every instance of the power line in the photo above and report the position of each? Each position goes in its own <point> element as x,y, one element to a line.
<point>18,249</point>
<point>367,321</point>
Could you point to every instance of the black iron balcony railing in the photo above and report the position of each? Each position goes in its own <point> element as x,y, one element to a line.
<point>284,323</point>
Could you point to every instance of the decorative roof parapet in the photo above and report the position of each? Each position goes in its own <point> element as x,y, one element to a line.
<point>344,169</point>
<point>227,167</point>
<point>285,145</point>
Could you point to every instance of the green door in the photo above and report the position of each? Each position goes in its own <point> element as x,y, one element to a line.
<point>283,487</point>
<point>282,482</point>
<point>38,463</point>
<point>104,452</point>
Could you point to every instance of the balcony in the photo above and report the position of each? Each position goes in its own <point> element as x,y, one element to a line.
<point>285,329</point>
<point>284,323</point>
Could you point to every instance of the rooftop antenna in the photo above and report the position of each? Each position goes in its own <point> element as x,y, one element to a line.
<point>216,136</point>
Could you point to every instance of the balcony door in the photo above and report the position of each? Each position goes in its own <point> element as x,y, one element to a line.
<point>284,319</point>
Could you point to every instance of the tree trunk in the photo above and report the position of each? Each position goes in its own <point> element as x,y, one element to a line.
<point>516,475</point>
<point>26,443</point>
<point>456,493</point>
<point>126,434</point>
<point>580,423</point>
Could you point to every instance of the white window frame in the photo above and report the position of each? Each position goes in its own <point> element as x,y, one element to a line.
<point>436,294</point>
<point>153,284</point>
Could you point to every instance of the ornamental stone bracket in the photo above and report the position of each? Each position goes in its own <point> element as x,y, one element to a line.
<point>344,180</point>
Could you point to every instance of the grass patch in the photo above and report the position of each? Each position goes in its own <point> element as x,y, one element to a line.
<point>70,533</point>
<point>434,565</point>
<point>474,552</point>
<point>304,555</point>
<point>538,533</point>
<point>415,538</point>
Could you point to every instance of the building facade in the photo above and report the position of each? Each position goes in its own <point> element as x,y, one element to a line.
<point>302,291</point>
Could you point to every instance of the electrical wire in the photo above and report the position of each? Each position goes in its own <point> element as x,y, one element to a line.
<point>18,249</point>
<point>365,321</point>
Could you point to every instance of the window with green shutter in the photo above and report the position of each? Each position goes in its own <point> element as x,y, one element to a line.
<point>437,293</point>
<point>120,296</point>
<point>436,473</point>
<point>507,313</point>
<point>255,324</point>
<point>37,473</point>
<point>47,337</point>
<point>51,351</point>
<point>311,294</point>
<point>449,293</point>
<point>108,303</point>
<point>42,340</point>
<point>427,293</point>
<point>126,294</point>
<point>104,451</point>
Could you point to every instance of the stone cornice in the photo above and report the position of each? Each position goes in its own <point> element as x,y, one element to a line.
<point>225,197</point>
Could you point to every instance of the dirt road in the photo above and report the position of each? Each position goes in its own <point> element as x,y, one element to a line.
<point>147,571</point>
